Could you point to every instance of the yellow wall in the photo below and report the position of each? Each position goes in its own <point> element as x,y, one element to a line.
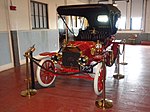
<point>3,16</point>
<point>21,19</point>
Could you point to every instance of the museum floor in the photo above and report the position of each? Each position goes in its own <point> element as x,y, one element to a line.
<point>131,94</point>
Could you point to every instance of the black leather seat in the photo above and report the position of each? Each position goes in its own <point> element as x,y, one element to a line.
<point>89,35</point>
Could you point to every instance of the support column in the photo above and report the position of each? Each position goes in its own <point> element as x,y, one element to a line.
<point>110,1</point>
<point>144,15</point>
<point>15,49</point>
<point>128,14</point>
<point>65,2</point>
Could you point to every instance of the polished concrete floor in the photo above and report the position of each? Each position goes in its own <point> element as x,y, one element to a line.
<point>131,94</point>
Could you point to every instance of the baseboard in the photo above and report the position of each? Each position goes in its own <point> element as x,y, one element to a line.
<point>6,67</point>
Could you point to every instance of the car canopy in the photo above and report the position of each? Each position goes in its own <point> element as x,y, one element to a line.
<point>91,12</point>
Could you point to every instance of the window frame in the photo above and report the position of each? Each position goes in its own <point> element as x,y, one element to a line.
<point>140,18</point>
<point>122,18</point>
<point>39,19</point>
<point>128,24</point>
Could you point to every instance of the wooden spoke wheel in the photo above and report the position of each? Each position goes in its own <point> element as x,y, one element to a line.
<point>98,79</point>
<point>44,76</point>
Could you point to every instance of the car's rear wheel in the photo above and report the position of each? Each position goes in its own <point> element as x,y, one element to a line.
<point>98,79</point>
<point>44,77</point>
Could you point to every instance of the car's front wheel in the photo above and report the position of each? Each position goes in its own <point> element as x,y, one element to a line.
<point>98,79</point>
<point>44,77</point>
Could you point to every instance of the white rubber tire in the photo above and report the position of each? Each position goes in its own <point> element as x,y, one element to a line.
<point>96,79</point>
<point>38,74</point>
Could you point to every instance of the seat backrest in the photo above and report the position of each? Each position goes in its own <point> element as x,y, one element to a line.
<point>84,35</point>
<point>87,35</point>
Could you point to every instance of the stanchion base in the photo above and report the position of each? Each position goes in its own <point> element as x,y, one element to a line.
<point>123,63</point>
<point>104,104</point>
<point>118,76</point>
<point>29,92</point>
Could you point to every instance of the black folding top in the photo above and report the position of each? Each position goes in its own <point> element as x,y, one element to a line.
<point>87,10</point>
<point>92,12</point>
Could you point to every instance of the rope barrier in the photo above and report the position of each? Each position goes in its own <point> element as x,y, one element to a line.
<point>58,73</point>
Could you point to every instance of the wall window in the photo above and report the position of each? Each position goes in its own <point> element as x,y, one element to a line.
<point>136,23</point>
<point>131,14</point>
<point>122,6</point>
<point>39,15</point>
<point>137,14</point>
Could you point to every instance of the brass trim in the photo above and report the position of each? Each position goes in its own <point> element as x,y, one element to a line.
<point>93,50</point>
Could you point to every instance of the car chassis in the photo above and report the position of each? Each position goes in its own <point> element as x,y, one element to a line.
<point>91,51</point>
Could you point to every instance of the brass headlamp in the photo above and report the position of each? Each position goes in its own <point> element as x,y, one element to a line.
<point>55,58</point>
<point>83,60</point>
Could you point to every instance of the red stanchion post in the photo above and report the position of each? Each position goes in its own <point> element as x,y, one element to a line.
<point>123,62</point>
<point>118,75</point>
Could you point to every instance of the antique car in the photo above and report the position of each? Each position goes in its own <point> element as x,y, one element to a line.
<point>89,52</point>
